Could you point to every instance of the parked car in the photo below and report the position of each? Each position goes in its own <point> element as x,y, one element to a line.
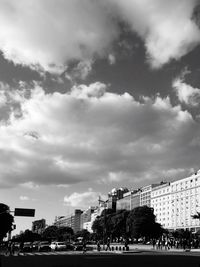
<point>27,247</point>
<point>78,246</point>
<point>17,245</point>
<point>35,245</point>
<point>58,246</point>
<point>44,246</point>
<point>69,246</point>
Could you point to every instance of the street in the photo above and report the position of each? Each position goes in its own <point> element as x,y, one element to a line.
<point>134,258</point>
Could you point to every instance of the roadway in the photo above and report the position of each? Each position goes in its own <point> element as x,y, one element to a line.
<point>135,257</point>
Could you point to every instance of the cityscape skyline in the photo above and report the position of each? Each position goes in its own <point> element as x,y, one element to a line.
<point>174,204</point>
<point>95,95</point>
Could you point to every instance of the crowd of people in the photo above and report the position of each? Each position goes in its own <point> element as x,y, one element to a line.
<point>175,243</point>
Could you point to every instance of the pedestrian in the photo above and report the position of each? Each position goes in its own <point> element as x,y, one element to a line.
<point>84,246</point>
<point>12,248</point>
<point>126,244</point>
<point>154,243</point>
<point>108,244</point>
<point>21,247</point>
<point>8,252</point>
<point>98,246</point>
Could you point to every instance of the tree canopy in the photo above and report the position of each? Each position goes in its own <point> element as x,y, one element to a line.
<point>57,233</point>
<point>27,236</point>
<point>6,220</point>
<point>139,222</point>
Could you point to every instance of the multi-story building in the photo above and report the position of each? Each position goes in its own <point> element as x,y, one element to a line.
<point>39,226</point>
<point>185,202</point>
<point>73,221</point>
<point>175,203</point>
<point>62,221</point>
<point>94,214</point>
<point>161,203</point>
<point>86,216</point>
<point>114,196</point>
<point>129,201</point>
<point>145,194</point>
<point>135,199</point>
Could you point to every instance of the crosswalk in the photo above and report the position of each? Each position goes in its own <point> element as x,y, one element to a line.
<point>47,253</point>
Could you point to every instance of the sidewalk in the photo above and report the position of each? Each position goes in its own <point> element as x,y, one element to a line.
<point>133,247</point>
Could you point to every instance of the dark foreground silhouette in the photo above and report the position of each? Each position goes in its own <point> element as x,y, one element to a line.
<point>141,259</point>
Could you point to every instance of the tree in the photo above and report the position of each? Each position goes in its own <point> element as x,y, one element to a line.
<point>141,223</point>
<point>27,236</point>
<point>110,224</point>
<point>64,233</point>
<point>119,224</point>
<point>83,233</point>
<point>102,225</point>
<point>6,220</point>
<point>98,227</point>
<point>50,233</point>
<point>57,233</point>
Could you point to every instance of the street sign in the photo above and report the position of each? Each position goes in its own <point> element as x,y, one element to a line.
<point>24,212</point>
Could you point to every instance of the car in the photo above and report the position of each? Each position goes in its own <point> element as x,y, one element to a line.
<point>17,245</point>
<point>27,247</point>
<point>78,246</point>
<point>44,246</point>
<point>58,246</point>
<point>35,245</point>
<point>69,246</point>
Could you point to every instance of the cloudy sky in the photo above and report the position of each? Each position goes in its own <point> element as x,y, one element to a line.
<point>95,95</point>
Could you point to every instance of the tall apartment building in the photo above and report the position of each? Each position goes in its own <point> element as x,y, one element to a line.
<point>114,196</point>
<point>86,217</point>
<point>136,198</point>
<point>161,203</point>
<point>174,203</point>
<point>96,212</point>
<point>73,221</point>
<point>145,195</point>
<point>129,201</point>
<point>185,202</point>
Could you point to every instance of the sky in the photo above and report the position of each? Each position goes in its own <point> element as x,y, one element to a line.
<point>95,95</point>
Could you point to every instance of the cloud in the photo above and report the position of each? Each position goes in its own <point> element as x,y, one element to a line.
<point>85,199</point>
<point>52,34</point>
<point>186,93</point>
<point>166,27</point>
<point>80,71</point>
<point>92,135</point>
<point>111,59</point>
<point>24,198</point>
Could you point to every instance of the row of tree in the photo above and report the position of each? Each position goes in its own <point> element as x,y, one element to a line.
<point>134,224</point>
<point>49,234</point>
<point>137,223</point>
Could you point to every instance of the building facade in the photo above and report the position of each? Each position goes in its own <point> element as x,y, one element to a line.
<point>145,195</point>
<point>175,203</point>
<point>39,226</point>
<point>86,216</point>
<point>161,203</point>
<point>129,201</point>
<point>115,195</point>
<point>73,221</point>
<point>185,202</point>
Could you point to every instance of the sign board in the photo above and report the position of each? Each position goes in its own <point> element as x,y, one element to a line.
<point>24,212</point>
